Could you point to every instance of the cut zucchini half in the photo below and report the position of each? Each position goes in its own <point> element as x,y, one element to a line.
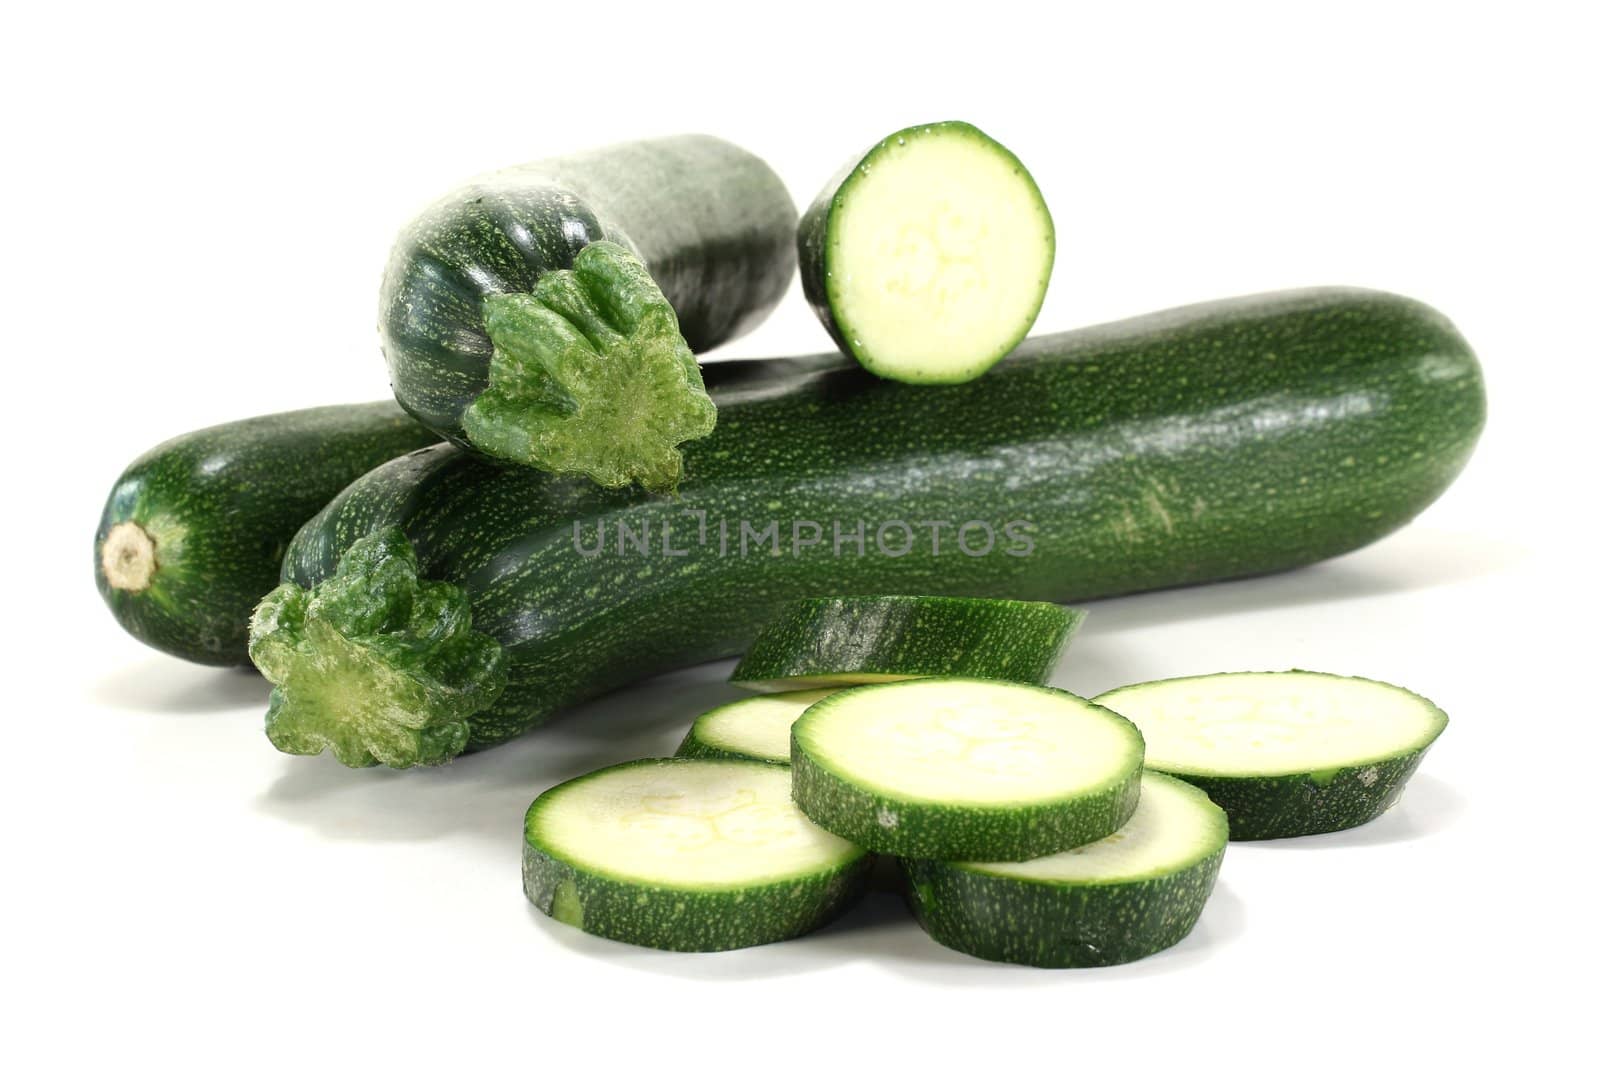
<point>755,728</point>
<point>1284,753</point>
<point>928,258</point>
<point>829,641</point>
<point>688,855</point>
<point>957,768</point>
<point>1119,899</point>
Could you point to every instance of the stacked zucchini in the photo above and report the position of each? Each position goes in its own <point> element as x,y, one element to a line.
<point>601,508</point>
<point>1031,826</point>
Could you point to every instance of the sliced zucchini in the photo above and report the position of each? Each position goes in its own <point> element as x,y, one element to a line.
<point>690,855</point>
<point>1284,754</point>
<point>857,640</point>
<point>955,768</point>
<point>1124,897</point>
<point>928,258</point>
<point>755,728</point>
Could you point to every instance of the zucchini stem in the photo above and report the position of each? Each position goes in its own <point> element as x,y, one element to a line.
<point>128,557</point>
<point>590,376</point>
<point>374,663</point>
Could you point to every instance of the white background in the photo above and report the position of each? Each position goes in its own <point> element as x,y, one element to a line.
<point>197,205</point>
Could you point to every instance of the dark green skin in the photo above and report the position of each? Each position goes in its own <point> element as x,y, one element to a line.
<point>1217,441</point>
<point>1010,920</point>
<point>907,637</point>
<point>713,223</point>
<point>239,491</point>
<point>1262,809</point>
<point>684,920</point>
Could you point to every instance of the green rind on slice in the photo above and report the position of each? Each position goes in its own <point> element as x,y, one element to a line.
<point>928,258</point>
<point>859,640</point>
<point>956,768</point>
<point>590,376</point>
<point>1119,899</point>
<point>755,728</point>
<point>1285,754</point>
<point>687,855</point>
<point>374,663</point>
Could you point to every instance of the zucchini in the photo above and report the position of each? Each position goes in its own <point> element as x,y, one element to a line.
<point>1115,900</point>
<point>928,258</point>
<point>1206,443</point>
<point>1288,753</point>
<point>193,531</point>
<point>830,641</point>
<point>755,728</point>
<point>689,855</point>
<point>954,768</point>
<point>518,318</point>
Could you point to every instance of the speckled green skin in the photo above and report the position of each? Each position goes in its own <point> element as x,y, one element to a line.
<point>681,919</point>
<point>1042,924</point>
<point>221,505</point>
<point>713,223</point>
<point>1210,442</point>
<point>896,825</point>
<point>1263,808</point>
<point>907,636</point>
<point>692,747</point>
<point>815,238</point>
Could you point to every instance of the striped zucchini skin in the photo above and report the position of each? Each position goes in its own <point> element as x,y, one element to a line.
<point>678,918</point>
<point>813,641</point>
<point>1209,442</point>
<point>712,223</point>
<point>218,507</point>
<point>1043,924</point>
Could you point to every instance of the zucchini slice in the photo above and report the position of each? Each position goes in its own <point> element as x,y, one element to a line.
<point>956,768</point>
<point>755,728</point>
<point>1115,900</point>
<point>689,855</point>
<point>1287,753</point>
<point>928,258</point>
<point>859,640</point>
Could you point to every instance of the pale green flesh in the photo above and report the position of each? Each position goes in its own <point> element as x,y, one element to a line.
<point>1173,828</point>
<point>758,726</point>
<point>1274,724</point>
<point>967,742</point>
<point>693,824</point>
<point>939,253</point>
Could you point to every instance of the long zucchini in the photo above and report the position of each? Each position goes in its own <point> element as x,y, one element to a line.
<point>1210,442</point>
<point>194,531</point>
<point>517,318</point>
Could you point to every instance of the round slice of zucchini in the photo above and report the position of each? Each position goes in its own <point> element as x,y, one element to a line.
<point>957,768</point>
<point>690,855</point>
<point>1124,897</point>
<point>755,728</point>
<point>1284,753</point>
<point>857,640</point>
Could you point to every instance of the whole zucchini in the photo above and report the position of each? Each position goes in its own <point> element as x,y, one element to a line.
<point>506,336</point>
<point>194,531</point>
<point>1209,442</point>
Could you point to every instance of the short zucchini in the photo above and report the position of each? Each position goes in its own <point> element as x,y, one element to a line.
<point>858,640</point>
<point>547,314</point>
<point>1205,443</point>
<point>928,258</point>
<point>194,531</point>
<point>954,768</point>
<point>754,728</point>
<point>1285,754</point>
<point>690,855</point>
<point>1115,900</point>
